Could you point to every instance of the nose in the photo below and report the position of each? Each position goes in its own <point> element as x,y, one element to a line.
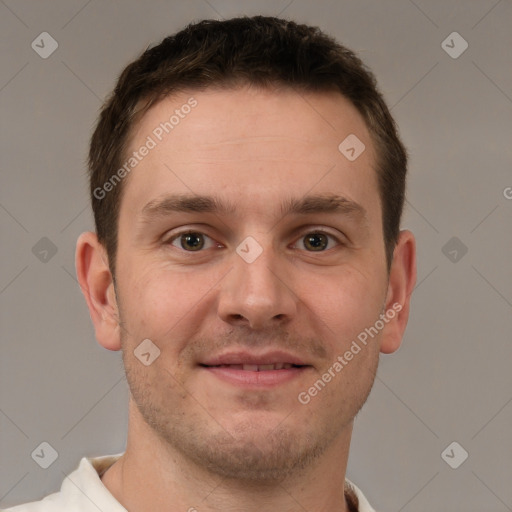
<point>257,295</point>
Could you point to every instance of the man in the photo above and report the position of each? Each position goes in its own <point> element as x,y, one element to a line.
<point>247,183</point>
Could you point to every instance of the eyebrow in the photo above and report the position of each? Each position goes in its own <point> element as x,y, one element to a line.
<point>185,203</point>
<point>324,204</point>
<point>192,203</point>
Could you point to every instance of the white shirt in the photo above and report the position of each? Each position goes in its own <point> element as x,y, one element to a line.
<point>83,491</point>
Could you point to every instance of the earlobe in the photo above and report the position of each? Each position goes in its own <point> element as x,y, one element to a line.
<point>97,286</point>
<point>402,279</point>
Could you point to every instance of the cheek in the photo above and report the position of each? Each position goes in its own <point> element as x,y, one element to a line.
<point>161,303</point>
<point>346,303</point>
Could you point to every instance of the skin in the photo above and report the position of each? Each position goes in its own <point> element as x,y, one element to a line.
<point>195,440</point>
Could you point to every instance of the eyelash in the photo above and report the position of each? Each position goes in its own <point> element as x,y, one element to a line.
<point>177,236</point>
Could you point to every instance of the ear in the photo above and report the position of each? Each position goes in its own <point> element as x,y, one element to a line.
<point>97,285</point>
<point>402,279</point>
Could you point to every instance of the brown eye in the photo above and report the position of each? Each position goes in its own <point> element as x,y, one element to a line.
<point>190,241</point>
<point>316,241</point>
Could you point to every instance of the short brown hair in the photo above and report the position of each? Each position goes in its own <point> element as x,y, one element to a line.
<point>261,51</point>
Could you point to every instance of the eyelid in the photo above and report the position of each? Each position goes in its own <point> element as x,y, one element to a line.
<point>298,234</point>
<point>184,229</point>
<point>338,237</point>
<point>169,239</point>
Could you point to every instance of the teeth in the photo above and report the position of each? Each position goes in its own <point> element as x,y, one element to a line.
<point>250,367</point>
<point>259,367</point>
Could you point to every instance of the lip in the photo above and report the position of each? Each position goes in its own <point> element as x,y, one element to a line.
<point>255,379</point>
<point>275,356</point>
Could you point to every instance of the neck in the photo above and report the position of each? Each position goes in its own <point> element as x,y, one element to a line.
<point>152,475</point>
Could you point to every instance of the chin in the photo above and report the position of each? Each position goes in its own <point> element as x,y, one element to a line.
<point>257,457</point>
<point>248,450</point>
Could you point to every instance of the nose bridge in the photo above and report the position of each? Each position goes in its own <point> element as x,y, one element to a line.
<point>259,277</point>
<point>254,292</point>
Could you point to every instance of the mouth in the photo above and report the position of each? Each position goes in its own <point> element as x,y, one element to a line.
<point>253,371</point>
<point>256,367</point>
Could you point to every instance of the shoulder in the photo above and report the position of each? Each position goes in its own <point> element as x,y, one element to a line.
<point>362,502</point>
<point>51,503</point>
<point>81,491</point>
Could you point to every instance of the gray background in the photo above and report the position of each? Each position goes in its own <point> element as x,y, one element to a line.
<point>450,381</point>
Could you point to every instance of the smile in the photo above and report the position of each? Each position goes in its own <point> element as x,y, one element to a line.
<point>255,376</point>
<point>257,367</point>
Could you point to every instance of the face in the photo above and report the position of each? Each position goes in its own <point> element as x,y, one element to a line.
<point>250,253</point>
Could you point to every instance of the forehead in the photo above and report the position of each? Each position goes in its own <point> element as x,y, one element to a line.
<point>217,114</point>
<point>255,144</point>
